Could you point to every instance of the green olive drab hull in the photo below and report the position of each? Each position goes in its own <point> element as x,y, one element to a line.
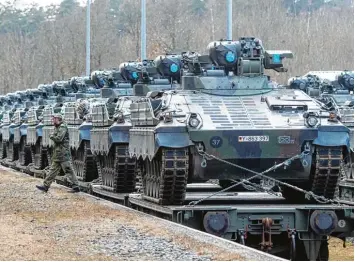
<point>229,121</point>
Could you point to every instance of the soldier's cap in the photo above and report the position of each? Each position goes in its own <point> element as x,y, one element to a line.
<point>57,115</point>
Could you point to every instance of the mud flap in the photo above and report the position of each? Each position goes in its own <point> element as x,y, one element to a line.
<point>326,138</point>
<point>142,143</point>
<point>172,140</point>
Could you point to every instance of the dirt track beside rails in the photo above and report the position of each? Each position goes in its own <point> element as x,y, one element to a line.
<point>63,226</point>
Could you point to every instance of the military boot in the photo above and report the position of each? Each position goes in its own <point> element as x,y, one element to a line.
<point>43,188</point>
<point>74,190</point>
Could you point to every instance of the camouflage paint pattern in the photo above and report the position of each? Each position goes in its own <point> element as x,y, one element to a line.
<point>282,143</point>
<point>60,138</point>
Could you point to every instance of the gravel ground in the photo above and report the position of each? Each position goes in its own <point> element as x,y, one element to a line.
<point>338,253</point>
<point>61,226</point>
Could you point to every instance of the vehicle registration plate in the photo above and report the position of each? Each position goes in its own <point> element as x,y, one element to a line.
<point>253,138</point>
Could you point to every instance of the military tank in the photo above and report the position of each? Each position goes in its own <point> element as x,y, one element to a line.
<point>334,89</point>
<point>109,136</point>
<point>40,122</point>
<point>229,114</point>
<point>36,101</point>
<point>115,169</point>
<point>29,99</point>
<point>8,127</point>
<point>5,104</point>
<point>64,93</point>
<point>35,126</point>
<point>79,129</point>
<point>336,95</point>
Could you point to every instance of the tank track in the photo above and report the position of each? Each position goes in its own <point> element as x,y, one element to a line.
<point>12,151</point>
<point>49,155</point>
<point>165,177</point>
<point>98,180</point>
<point>38,154</point>
<point>25,156</point>
<point>327,175</point>
<point>118,170</point>
<point>139,178</point>
<point>2,150</point>
<point>84,163</point>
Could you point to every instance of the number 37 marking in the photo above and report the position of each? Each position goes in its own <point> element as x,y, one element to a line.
<point>216,142</point>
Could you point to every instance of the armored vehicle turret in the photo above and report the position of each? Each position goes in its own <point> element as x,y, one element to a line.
<point>229,118</point>
<point>84,86</point>
<point>109,136</point>
<point>129,71</point>
<point>169,66</point>
<point>346,80</point>
<point>156,75</point>
<point>113,81</point>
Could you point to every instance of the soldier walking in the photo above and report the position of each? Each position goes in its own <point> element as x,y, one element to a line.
<point>61,156</point>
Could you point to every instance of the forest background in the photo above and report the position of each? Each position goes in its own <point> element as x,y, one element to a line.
<point>43,44</point>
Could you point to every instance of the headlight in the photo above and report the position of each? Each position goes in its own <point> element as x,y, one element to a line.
<point>312,121</point>
<point>194,122</point>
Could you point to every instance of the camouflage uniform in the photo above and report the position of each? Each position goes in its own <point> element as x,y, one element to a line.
<point>61,158</point>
